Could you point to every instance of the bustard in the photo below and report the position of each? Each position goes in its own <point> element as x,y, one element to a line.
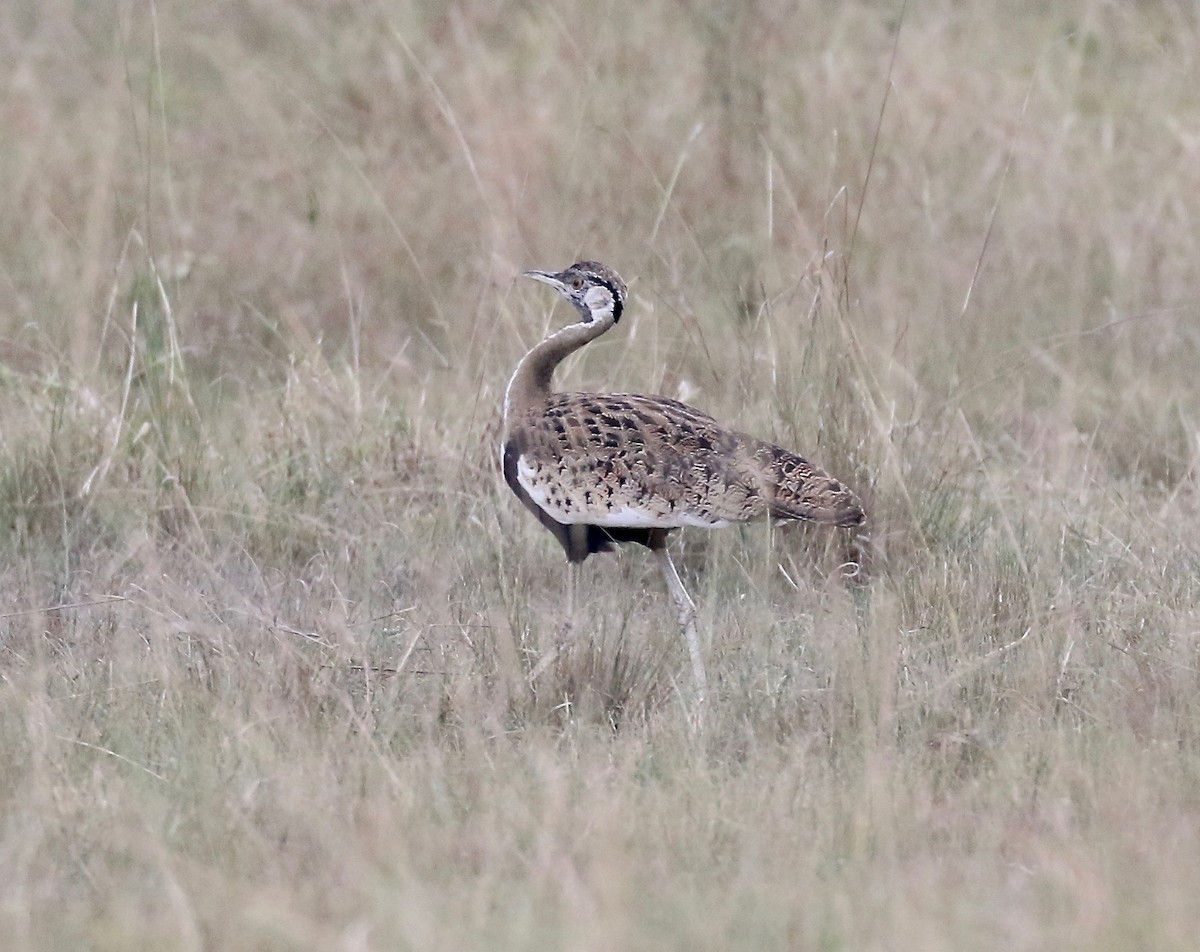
<point>597,469</point>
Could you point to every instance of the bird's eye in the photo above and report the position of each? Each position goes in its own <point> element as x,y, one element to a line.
<point>577,282</point>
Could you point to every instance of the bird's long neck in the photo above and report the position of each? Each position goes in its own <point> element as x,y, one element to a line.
<point>530,382</point>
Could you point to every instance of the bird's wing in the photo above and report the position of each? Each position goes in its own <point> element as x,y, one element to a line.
<point>626,460</point>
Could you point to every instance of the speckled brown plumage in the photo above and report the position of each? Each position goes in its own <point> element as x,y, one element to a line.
<point>627,461</point>
<point>603,468</point>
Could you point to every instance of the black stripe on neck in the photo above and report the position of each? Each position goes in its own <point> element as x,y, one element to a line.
<point>618,303</point>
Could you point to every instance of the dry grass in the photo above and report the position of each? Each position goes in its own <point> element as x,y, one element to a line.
<point>269,621</point>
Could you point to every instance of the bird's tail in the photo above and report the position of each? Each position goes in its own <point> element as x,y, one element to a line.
<point>799,490</point>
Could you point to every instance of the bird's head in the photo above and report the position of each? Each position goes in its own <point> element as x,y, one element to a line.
<point>594,290</point>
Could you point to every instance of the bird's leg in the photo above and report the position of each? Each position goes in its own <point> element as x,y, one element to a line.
<point>687,619</point>
<point>562,638</point>
<point>572,585</point>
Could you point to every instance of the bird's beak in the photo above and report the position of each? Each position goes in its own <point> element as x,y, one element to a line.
<point>547,278</point>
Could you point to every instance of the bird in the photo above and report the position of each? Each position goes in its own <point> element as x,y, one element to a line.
<point>600,469</point>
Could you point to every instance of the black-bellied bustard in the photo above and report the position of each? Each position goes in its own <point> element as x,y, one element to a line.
<point>603,468</point>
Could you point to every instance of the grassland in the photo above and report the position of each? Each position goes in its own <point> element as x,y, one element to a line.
<point>269,619</point>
